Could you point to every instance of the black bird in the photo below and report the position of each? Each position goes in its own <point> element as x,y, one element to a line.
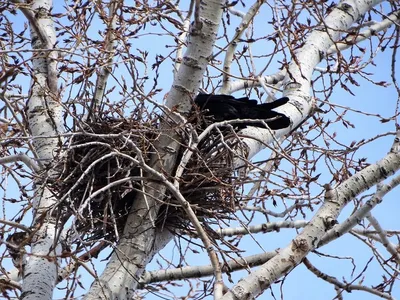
<point>226,107</point>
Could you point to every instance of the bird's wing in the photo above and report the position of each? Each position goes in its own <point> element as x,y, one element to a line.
<point>202,100</point>
<point>275,104</point>
<point>227,107</point>
<point>243,101</point>
<point>221,111</point>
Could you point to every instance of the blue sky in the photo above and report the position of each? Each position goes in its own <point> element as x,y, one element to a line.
<point>300,283</point>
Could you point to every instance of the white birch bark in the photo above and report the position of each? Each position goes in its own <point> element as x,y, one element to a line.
<point>138,244</point>
<point>141,239</point>
<point>298,78</point>
<point>309,239</point>
<point>44,113</point>
<point>297,88</point>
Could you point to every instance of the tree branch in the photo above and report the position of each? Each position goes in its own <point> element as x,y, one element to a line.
<point>29,162</point>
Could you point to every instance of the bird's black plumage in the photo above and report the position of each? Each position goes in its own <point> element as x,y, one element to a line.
<point>226,107</point>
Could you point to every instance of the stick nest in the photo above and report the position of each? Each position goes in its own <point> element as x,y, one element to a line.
<point>101,177</point>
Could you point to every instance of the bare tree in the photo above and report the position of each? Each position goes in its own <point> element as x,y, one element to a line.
<point>104,154</point>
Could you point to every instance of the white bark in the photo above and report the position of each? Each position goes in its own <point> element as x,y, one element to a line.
<point>297,88</point>
<point>118,280</point>
<point>237,85</point>
<point>246,20</point>
<point>105,71</point>
<point>361,213</point>
<point>297,85</point>
<point>336,199</point>
<point>44,114</point>
<point>137,246</point>
<point>389,21</point>
<point>256,260</point>
<point>202,271</point>
<point>391,248</point>
<point>141,239</point>
<point>23,158</point>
